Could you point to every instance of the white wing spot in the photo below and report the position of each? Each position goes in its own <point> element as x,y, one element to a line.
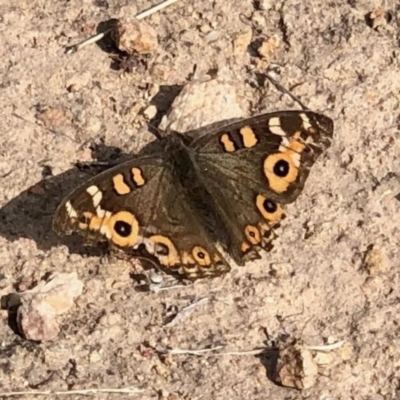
<point>96,194</point>
<point>306,121</point>
<point>71,210</point>
<point>284,145</point>
<point>274,125</point>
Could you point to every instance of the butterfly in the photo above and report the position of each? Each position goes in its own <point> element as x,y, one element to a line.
<point>201,199</point>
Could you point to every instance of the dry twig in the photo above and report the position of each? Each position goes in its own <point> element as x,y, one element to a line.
<point>185,312</point>
<point>83,392</point>
<point>200,352</point>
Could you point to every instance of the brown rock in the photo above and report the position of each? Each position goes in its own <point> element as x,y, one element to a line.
<point>268,47</point>
<point>375,260</point>
<point>134,36</point>
<point>296,367</point>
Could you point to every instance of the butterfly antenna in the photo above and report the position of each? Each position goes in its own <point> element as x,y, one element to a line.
<point>149,260</point>
<point>54,132</point>
<point>286,91</point>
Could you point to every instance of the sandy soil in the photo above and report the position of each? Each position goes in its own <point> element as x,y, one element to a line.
<point>315,285</point>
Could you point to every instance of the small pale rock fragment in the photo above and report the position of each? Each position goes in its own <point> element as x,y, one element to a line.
<point>162,370</point>
<point>134,36</point>
<point>241,42</point>
<point>161,73</point>
<point>94,357</point>
<point>281,270</point>
<point>36,322</point>
<point>375,260</point>
<point>265,4</point>
<point>36,316</point>
<point>79,81</point>
<point>258,19</point>
<point>345,352</point>
<point>174,396</point>
<point>205,28</point>
<point>53,117</point>
<point>150,112</point>
<point>94,125</point>
<point>268,47</point>
<point>296,367</point>
<point>322,358</point>
<point>212,36</point>
<point>373,286</point>
<point>379,18</point>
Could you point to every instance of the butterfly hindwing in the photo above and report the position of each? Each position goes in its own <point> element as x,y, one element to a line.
<point>138,206</point>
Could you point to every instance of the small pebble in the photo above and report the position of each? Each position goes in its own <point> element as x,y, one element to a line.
<point>375,260</point>
<point>150,112</point>
<point>241,42</point>
<point>134,36</point>
<point>268,47</point>
<point>36,316</point>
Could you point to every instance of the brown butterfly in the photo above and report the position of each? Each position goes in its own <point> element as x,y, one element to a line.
<point>201,196</point>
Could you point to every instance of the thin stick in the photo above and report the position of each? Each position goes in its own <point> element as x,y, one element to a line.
<point>285,91</point>
<point>261,350</point>
<point>326,347</point>
<point>199,352</point>
<point>99,36</point>
<point>86,42</point>
<point>242,353</point>
<point>185,312</point>
<point>156,8</point>
<point>153,287</point>
<point>83,392</point>
<point>44,127</point>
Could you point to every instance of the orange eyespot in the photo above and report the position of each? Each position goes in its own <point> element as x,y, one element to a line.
<point>124,228</point>
<point>271,211</point>
<point>201,256</point>
<point>252,234</point>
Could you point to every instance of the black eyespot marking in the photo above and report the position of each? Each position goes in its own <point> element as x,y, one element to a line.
<point>201,255</point>
<point>281,168</point>
<point>270,206</point>
<point>252,234</point>
<point>122,228</point>
<point>162,249</point>
<point>84,219</point>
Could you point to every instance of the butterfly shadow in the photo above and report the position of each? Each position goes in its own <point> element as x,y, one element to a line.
<point>269,360</point>
<point>270,355</point>
<point>30,214</point>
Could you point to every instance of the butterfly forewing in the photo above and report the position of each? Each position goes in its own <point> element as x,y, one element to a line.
<point>255,166</point>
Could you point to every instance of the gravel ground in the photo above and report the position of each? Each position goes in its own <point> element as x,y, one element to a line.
<point>332,275</point>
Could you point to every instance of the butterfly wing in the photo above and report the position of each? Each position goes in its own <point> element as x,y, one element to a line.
<point>139,206</point>
<point>254,167</point>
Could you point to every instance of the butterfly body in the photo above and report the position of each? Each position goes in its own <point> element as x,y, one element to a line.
<point>202,196</point>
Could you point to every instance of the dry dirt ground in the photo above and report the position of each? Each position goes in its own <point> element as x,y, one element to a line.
<point>341,58</point>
